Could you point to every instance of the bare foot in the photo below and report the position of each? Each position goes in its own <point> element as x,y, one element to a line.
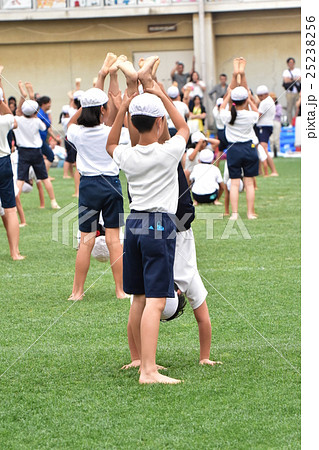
<point>209,362</point>
<point>108,62</point>
<point>94,81</point>
<point>18,257</point>
<point>122,294</point>
<point>76,297</point>
<point>29,88</point>
<point>155,67</point>
<point>217,203</point>
<point>42,206</point>
<point>136,363</point>
<point>75,195</point>
<point>242,65</point>
<point>145,73</point>
<point>78,83</point>
<point>131,76</point>
<point>251,216</point>
<point>234,216</point>
<point>23,92</point>
<point>156,377</point>
<point>141,62</point>
<point>23,224</point>
<point>115,67</point>
<point>67,177</point>
<point>274,174</point>
<point>236,65</point>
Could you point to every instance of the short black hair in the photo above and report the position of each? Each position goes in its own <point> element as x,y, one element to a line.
<point>223,75</point>
<point>91,116</point>
<point>43,100</point>
<point>289,59</point>
<point>143,123</point>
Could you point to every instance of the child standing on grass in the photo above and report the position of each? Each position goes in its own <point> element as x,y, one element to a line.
<point>241,153</point>
<point>100,189</point>
<point>151,171</point>
<point>7,195</point>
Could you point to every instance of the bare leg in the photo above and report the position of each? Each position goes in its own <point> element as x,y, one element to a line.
<point>11,223</point>
<point>241,71</point>
<point>135,357</point>
<point>269,161</point>
<point>131,77</point>
<point>112,239</point>
<point>145,73</point>
<point>134,325</point>
<point>82,264</point>
<point>234,195</point>
<point>226,202</point>
<point>47,164</point>
<point>67,168</point>
<point>41,194</point>
<point>250,196</point>
<point>149,335</point>
<point>78,84</point>
<point>49,188</point>
<point>77,177</point>
<point>20,211</point>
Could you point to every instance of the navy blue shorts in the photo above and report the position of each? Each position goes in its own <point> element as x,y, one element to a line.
<point>97,194</point>
<point>242,155</point>
<point>70,152</point>
<point>223,141</point>
<point>263,133</point>
<point>47,151</point>
<point>7,196</point>
<point>206,198</point>
<point>31,157</point>
<point>149,251</point>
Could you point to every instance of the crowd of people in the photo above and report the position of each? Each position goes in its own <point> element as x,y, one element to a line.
<point>157,139</point>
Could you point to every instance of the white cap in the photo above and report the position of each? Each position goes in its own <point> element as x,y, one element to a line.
<point>173,92</point>
<point>261,90</point>
<point>65,109</point>
<point>29,107</point>
<point>1,94</point>
<point>239,94</point>
<point>93,97</point>
<point>78,94</point>
<point>171,306</point>
<point>206,156</point>
<point>100,250</point>
<point>147,105</point>
<point>219,101</point>
<point>197,136</point>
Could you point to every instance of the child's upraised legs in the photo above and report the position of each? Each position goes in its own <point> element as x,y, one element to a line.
<point>145,74</point>
<point>131,77</point>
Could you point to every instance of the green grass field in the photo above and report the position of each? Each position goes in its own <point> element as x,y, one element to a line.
<point>67,390</point>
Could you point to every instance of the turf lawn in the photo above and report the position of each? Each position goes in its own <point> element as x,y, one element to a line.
<point>67,391</point>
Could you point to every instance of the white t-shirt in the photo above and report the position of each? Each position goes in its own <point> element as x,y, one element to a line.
<point>151,172</point>
<point>64,123</point>
<point>92,158</point>
<point>182,108</point>
<point>207,178</point>
<point>196,88</point>
<point>189,165</point>
<point>268,110</point>
<point>295,73</point>
<point>218,121</point>
<point>242,130</point>
<point>6,124</point>
<point>27,134</point>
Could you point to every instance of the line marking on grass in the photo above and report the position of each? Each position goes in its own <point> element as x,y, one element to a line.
<point>252,326</point>
<point>57,319</point>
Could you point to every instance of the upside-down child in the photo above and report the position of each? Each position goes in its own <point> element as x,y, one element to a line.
<point>151,172</point>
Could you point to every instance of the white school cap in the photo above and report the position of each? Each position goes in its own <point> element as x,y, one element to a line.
<point>219,101</point>
<point>261,90</point>
<point>206,156</point>
<point>171,306</point>
<point>239,94</point>
<point>65,109</point>
<point>78,94</point>
<point>197,136</point>
<point>29,107</point>
<point>173,92</point>
<point>93,97</point>
<point>147,105</point>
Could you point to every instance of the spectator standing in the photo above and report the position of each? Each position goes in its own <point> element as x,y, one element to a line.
<point>292,84</point>
<point>178,75</point>
<point>219,90</point>
<point>274,139</point>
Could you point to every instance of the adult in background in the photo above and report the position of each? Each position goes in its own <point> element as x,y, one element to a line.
<point>178,76</point>
<point>44,103</point>
<point>292,84</point>
<point>195,87</point>
<point>274,139</point>
<point>219,90</point>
